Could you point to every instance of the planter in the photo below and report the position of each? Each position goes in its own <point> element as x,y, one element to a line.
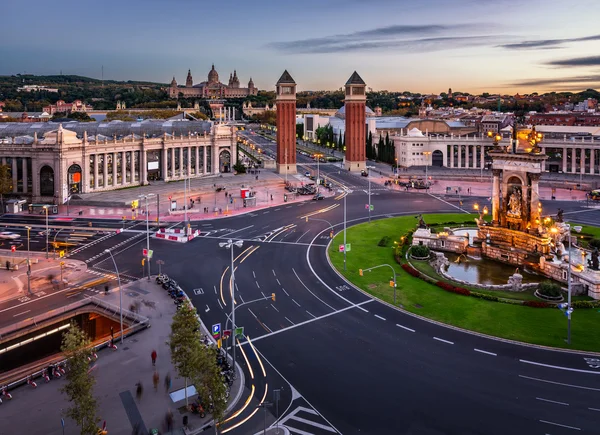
<point>549,298</point>
<point>419,258</point>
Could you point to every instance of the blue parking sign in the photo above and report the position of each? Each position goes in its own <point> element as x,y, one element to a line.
<point>216,330</point>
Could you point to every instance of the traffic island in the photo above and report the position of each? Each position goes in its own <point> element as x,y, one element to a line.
<point>520,321</point>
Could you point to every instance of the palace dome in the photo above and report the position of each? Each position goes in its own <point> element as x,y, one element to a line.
<point>213,75</point>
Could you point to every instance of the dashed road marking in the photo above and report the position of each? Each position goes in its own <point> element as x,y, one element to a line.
<point>560,425</point>
<point>485,351</point>
<point>289,321</point>
<point>405,327</point>
<point>551,401</point>
<point>285,291</point>
<point>275,308</point>
<point>379,317</point>
<point>311,314</point>
<point>442,340</point>
<point>296,302</point>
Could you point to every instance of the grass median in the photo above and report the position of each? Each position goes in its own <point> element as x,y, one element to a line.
<point>543,326</point>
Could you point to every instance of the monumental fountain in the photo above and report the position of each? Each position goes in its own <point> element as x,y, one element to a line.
<point>519,234</point>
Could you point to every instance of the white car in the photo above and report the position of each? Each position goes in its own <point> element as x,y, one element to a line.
<point>7,235</point>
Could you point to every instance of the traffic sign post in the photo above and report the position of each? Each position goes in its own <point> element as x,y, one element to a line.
<point>348,246</point>
<point>342,248</point>
<point>216,331</point>
<point>239,332</point>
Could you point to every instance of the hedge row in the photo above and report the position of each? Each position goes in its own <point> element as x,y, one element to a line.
<point>411,270</point>
<point>452,289</point>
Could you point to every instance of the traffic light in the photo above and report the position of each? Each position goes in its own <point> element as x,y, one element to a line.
<point>61,254</point>
<point>13,248</point>
<point>391,283</point>
<point>360,272</point>
<point>331,234</point>
<point>143,261</point>
<point>273,296</point>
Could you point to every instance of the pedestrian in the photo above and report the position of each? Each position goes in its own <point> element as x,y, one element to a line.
<point>169,420</point>
<point>155,379</point>
<point>139,391</point>
<point>153,355</point>
<point>271,197</point>
<point>167,382</point>
<point>225,194</point>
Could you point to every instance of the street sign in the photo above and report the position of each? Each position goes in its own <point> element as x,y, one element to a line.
<point>348,247</point>
<point>366,206</point>
<point>372,207</point>
<point>144,252</point>
<point>216,330</point>
<point>13,248</point>
<point>239,332</point>
<point>341,248</point>
<point>150,252</point>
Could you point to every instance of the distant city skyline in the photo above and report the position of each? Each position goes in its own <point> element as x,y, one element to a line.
<point>426,46</point>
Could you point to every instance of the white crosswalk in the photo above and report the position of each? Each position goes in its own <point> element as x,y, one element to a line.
<point>306,421</point>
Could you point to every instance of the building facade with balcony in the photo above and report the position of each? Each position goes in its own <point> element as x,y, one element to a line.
<point>56,163</point>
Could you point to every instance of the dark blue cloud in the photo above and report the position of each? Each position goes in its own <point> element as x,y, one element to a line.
<point>547,43</point>
<point>576,61</point>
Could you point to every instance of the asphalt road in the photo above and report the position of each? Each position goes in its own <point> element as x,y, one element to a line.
<point>347,363</point>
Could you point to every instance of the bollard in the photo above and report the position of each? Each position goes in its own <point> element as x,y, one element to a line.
<point>185,420</point>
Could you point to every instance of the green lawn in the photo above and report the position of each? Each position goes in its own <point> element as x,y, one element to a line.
<point>544,326</point>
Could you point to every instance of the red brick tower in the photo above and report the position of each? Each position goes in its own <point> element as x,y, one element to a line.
<point>286,124</point>
<point>355,106</point>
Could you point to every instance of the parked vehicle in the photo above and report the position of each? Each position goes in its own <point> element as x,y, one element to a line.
<point>594,194</point>
<point>8,235</point>
<point>318,197</point>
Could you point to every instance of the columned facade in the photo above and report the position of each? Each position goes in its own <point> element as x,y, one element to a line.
<point>355,129</point>
<point>286,124</point>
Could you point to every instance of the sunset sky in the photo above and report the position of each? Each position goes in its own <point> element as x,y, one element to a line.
<point>422,46</point>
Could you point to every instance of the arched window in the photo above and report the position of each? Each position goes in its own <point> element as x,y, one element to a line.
<point>74,179</point>
<point>47,181</point>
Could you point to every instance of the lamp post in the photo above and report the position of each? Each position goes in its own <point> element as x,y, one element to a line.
<point>347,192</point>
<point>229,245</point>
<point>318,157</point>
<point>54,243</point>
<point>47,246</point>
<point>426,154</point>
<point>569,309</point>
<point>369,179</point>
<point>28,263</point>
<point>265,405</point>
<point>147,230</point>
<point>108,251</point>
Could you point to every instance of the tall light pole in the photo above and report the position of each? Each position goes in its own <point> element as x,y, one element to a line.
<point>229,245</point>
<point>46,209</point>
<point>28,263</point>
<point>368,178</point>
<point>569,309</point>
<point>426,154</point>
<point>108,251</point>
<point>347,192</point>
<point>147,230</point>
<point>318,157</point>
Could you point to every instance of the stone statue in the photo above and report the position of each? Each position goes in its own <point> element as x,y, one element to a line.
<point>516,282</point>
<point>595,259</point>
<point>559,215</point>
<point>440,262</point>
<point>422,223</point>
<point>514,204</point>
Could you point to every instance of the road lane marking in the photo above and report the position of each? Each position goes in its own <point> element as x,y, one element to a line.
<point>257,284</point>
<point>273,270</point>
<point>237,231</point>
<point>560,425</point>
<point>442,340</point>
<point>485,351</point>
<point>215,287</point>
<point>295,302</point>
<point>285,319</point>
<point>303,234</point>
<point>285,291</point>
<point>278,281</point>
<point>253,274</point>
<point>559,367</point>
<point>274,308</point>
<point>594,409</point>
<point>293,270</point>
<point>551,401</point>
<point>405,327</point>
<point>252,312</point>
<point>241,298</point>
<point>264,296</point>
<point>312,423</point>
<point>220,303</point>
<point>559,383</point>
<point>311,314</point>
<point>20,314</point>
<point>379,317</point>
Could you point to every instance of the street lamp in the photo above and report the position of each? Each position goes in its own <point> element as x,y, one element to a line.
<point>229,245</point>
<point>426,154</point>
<point>369,179</point>
<point>360,271</point>
<point>347,192</point>
<point>28,263</point>
<point>46,210</point>
<point>318,157</point>
<point>147,231</point>
<point>569,309</point>
<point>108,251</point>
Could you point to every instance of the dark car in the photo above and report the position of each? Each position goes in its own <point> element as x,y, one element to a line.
<point>364,173</point>
<point>318,197</point>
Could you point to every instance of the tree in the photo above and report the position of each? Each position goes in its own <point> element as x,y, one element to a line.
<point>195,361</point>
<point>80,384</point>
<point>300,131</point>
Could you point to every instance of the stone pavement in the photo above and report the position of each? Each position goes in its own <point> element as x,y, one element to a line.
<point>117,373</point>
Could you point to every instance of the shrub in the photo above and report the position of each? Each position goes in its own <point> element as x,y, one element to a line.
<point>420,251</point>
<point>450,288</point>
<point>594,243</point>
<point>411,270</point>
<point>536,304</point>
<point>485,296</point>
<point>385,240</point>
<point>585,304</point>
<point>549,288</point>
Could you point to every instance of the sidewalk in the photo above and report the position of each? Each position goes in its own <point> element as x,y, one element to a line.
<point>117,373</point>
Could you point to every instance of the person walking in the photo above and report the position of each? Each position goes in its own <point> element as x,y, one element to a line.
<point>139,390</point>
<point>155,379</point>
<point>169,420</point>
<point>167,382</point>
<point>153,355</point>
